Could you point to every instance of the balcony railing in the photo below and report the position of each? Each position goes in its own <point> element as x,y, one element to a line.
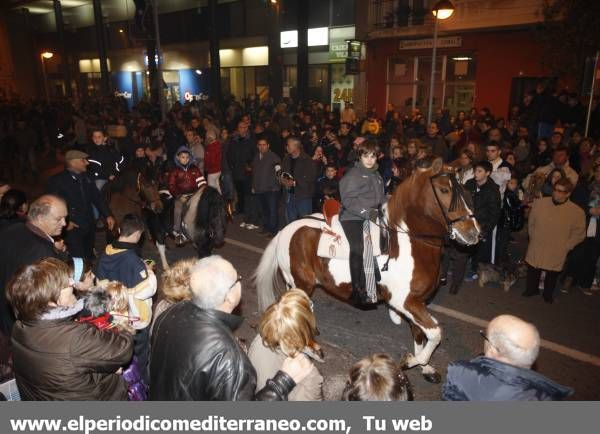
<point>385,14</point>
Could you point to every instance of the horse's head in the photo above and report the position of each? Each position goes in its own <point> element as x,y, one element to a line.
<point>148,190</point>
<point>448,202</point>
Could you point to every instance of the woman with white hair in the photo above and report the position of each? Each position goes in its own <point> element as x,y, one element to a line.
<point>286,329</point>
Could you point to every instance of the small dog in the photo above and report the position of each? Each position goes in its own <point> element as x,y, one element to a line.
<point>506,275</point>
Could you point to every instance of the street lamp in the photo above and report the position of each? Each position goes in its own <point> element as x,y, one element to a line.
<point>442,10</point>
<point>46,55</point>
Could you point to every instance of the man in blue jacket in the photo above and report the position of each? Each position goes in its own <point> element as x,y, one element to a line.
<point>504,372</point>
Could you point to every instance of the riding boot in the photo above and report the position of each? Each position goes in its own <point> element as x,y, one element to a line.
<point>359,294</point>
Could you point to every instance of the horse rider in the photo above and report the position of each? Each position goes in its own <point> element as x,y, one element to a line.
<point>184,181</point>
<point>362,193</point>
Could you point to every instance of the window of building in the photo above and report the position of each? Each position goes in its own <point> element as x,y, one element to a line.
<point>409,80</point>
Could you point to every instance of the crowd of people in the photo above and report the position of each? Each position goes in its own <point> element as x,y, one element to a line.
<point>273,164</point>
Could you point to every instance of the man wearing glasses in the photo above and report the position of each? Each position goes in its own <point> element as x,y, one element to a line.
<point>81,195</point>
<point>556,225</point>
<point>504,372</point>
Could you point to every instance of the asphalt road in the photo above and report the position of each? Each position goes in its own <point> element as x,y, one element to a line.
<point>570,326</point>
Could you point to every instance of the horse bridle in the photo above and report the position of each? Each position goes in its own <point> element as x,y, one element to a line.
<point>457,195</point>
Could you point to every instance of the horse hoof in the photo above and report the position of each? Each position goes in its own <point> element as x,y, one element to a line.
<point>434,378</point>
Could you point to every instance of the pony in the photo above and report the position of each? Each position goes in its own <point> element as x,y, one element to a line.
<point>205,217</point>
<point>427,207</point>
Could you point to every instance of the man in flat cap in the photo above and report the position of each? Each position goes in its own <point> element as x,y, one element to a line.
<point>81,195</point>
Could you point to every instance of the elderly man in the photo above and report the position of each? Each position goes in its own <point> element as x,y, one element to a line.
<point>555,226</point>
<point>79,191</point>
<point>26,243</point>
<point>560,160</point>
<point>504,372</point>
<point>299,191</point>
<point>196,357</point>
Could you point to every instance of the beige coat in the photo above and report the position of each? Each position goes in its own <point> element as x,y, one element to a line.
<point>553,231</point>
<point>268,362</point>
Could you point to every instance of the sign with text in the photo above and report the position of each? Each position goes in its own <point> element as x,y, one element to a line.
<point>419,44</point>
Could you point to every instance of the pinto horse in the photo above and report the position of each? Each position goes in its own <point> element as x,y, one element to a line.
<point>426,208</point>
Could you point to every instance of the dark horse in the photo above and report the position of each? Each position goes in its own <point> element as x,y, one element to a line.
<point>424,209</point>
<point>205,217</point>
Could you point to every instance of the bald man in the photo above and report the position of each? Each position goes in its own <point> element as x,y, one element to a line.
<point>28,242</point>
<point>503,373</point>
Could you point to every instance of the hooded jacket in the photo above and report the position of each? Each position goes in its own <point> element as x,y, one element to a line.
<point>485,379</point>
<point>185,179</point>
<point>121,263</point>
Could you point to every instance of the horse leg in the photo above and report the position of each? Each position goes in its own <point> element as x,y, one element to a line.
<point>426,339</point>
<point>429,373</point>
<point>163,256</point>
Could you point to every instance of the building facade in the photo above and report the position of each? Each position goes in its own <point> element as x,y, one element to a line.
<point>487,54</point>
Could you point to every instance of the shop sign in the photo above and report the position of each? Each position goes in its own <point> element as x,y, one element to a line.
<point>124,94</point>
<point>189,96</point>
<point>418,44</point>
<point>342,87</point>
<point>338,45</point>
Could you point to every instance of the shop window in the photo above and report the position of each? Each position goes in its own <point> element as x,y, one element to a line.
<point>318,82</point>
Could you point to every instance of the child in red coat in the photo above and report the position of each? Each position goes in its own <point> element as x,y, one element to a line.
<point>184,181</point>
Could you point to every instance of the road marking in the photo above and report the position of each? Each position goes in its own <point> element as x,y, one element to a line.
<point>469,319</point>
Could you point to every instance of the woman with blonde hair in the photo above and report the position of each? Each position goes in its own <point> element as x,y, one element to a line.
<point>174,287</point>
<point>287,328</point>
<point>377,378</point>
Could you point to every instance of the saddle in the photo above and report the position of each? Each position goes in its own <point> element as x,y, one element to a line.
<point>333,243</point>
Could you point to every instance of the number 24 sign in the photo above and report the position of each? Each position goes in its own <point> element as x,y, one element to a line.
<point>340,95</point>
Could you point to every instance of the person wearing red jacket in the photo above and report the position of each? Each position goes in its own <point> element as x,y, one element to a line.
<point>212,160</point>
<point>184,181</point>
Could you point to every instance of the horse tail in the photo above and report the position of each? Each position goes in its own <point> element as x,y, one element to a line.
<point>265,277</point>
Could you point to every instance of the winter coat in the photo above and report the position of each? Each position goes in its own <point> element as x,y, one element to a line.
<point>264,172</point>
<point>212,158</point>
<point>184,179</point>
<point>22,244</point>
<point>487,203</point>
<point>80,193</point>
<point>267,362</point>
<point>105,161</point>
<point>304,172</point>
<point>486,379</point>
<point>196,357</point>
<point>361,190</point>
<point>240,154</point>
<point>512,215</point>
<point>121,263</point>
<point>59,359</point>
<point>553,231</point>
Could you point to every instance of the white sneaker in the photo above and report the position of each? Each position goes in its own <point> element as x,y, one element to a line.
<point>243,225</point>
<point>251,226</point>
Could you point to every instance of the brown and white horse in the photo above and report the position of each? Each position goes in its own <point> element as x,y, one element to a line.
<point>424,209</point>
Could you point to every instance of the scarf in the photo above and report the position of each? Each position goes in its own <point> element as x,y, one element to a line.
<point>61,312</point>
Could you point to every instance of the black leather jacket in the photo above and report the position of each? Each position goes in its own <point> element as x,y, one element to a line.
<point>195,357</point>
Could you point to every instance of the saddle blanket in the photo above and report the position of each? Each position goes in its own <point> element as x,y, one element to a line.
<point>333,243</point>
